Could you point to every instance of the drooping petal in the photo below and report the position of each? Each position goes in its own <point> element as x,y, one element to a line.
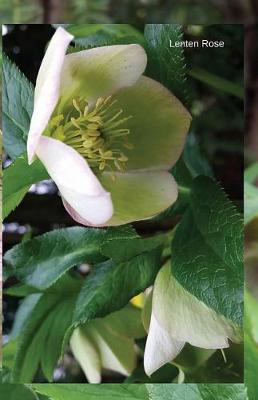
<point>179,316</point>
<point>139,195</point>
<point>160,347</point>
<point>101,71</point>
<point>76,182</point>
<point>108,342</point>
<point>47,87</point>
<point>209,330</point>
<point>116,353</point>
<point>158,126</point>
<point>86,354</point>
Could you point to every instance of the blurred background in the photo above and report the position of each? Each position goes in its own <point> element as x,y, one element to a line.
<point>215,142</point>
<point>128,11</point>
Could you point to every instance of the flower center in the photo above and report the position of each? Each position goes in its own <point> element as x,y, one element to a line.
<point>96,134</point>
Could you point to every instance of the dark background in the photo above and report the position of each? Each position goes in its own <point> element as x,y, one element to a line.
<point>128,11</point>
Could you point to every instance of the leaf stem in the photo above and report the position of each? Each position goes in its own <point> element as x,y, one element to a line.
<point>217,82</point>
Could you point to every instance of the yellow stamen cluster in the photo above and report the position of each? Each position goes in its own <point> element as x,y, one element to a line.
<point>95,133</point>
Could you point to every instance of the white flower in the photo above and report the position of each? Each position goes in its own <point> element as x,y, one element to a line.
<point>108,343</point>
<point>178,317</point>
<point>106,134</point>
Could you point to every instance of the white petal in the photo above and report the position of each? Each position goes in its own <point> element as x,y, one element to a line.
<point>190,320</point>
<point>179,316</point>
<point>116,353</point>
<point>87,355</point>
<point>160,348</point>
<point>102,71</point>
<point>47,87</point>
<point>79,187</point>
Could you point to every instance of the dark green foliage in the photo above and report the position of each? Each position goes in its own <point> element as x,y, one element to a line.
<point>17,108</point>
<point>208,250</point>
<point>165,64</point>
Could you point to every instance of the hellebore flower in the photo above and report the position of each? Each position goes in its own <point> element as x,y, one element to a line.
<point>178,317</point>
<point>108,343</point>
<point>106,134</point>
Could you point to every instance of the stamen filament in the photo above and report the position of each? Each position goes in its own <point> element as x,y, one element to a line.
<point>93,133</point>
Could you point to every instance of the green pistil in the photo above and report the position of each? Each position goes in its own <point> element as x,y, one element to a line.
<point>95,133</point>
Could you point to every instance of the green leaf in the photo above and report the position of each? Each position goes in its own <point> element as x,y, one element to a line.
<point>9,350</point>
<point>209,262</point>
<point>143,392</point>
<point>111,285</point>
<point>123,243</point>
<point>23,313</point>
<point>93,392</point>
<point>20,290</point>
<point>217,82</point>
<point>196,392</point>
<point>250,202</point>
<point>15,392</point>
<point>165,64</point>
<point>93,35</point>
<point>32,261</point>
<point>173,392</point>
<point>17,108</point>
<point>40,341</point>
<point>222,392</point>
<point>194,159</point>
<point>60,321</point>
<point>17,179</point>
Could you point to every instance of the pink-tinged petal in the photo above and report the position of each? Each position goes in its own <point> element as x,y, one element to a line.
<point>101,71</point>
<point>47,88</point>
<point>77,217</point>
<point>82,193</point>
